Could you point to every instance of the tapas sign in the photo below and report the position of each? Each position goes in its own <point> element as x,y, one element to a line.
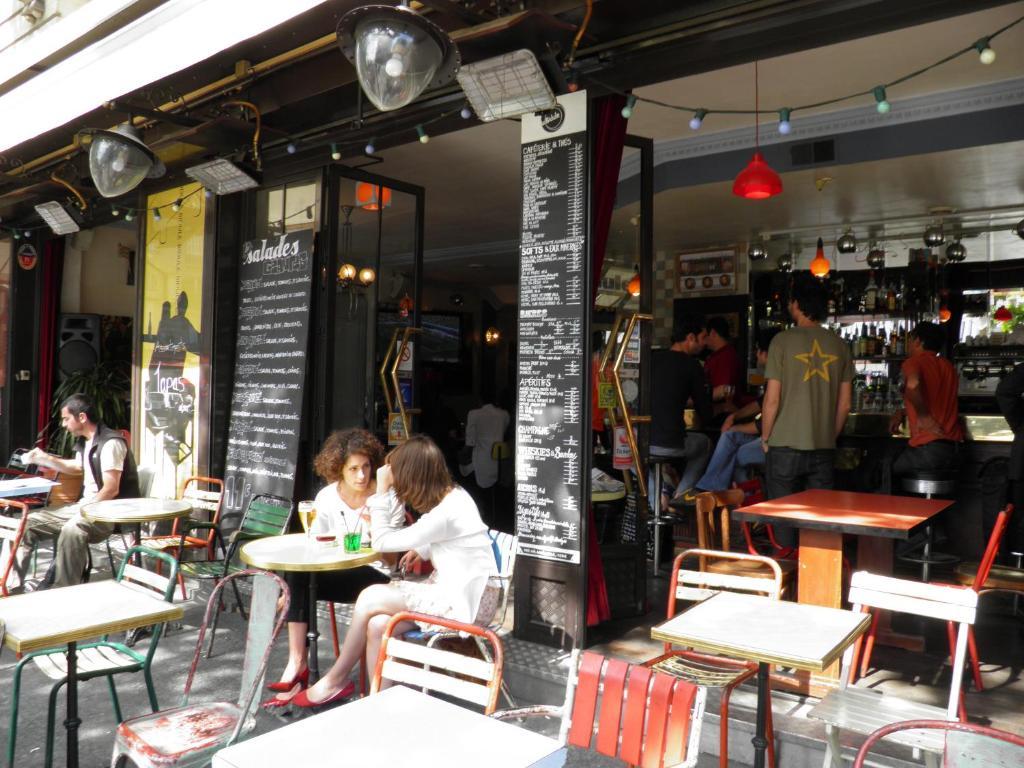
<point>711,271</point>
<point>28,257</point>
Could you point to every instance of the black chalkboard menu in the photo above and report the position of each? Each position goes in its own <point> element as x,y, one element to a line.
<point>275,282</point>
<point>553,305</point>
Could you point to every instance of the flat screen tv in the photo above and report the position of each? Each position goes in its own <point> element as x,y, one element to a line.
<point>440,341</point>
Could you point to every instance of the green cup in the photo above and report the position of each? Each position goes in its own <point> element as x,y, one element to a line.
<point>352,541</point>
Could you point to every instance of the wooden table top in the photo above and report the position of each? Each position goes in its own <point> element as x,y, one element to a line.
<point>866,514</point>
<point>141,510</point>
<point>758,628</point>
<point>80,612</point>
<point>294,552</point>
<point>396,727</point>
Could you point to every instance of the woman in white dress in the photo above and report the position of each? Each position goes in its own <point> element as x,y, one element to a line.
<point>449,533</point>
<point>348,462</point>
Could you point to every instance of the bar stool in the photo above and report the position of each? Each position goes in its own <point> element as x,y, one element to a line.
<point>659,520</point>
<point>929,485</point>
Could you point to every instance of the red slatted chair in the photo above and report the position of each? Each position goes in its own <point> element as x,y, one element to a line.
<point>984,567</point>
<point>205,494</point>
<point>628,712</point>
<point>12,528</point>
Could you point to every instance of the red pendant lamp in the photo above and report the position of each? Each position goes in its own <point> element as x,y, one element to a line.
<point>757,181</point>
<point>1003,315</point>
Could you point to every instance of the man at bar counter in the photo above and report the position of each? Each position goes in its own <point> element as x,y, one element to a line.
<point>929,406</point>
<point>722,368</point>
<point>806,401</point>
<point>677,378</point>
<point>104,459</point>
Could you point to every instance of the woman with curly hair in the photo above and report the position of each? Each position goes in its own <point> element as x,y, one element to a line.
<point>449,533</point>
<point>348,462</point>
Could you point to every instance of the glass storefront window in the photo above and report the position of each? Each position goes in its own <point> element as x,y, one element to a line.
<point>288,208</point>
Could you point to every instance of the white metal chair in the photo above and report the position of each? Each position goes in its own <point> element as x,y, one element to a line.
<point>863,710</point>
<point>190,734</point>
<point>504,547</point>
<point>434,669</point>
<point>11,531</point>
<point>626,711</point>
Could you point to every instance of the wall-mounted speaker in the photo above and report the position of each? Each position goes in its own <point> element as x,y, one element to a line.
<point>78,343</point>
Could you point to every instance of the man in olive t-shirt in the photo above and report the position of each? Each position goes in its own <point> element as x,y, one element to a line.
<point>807,399</point>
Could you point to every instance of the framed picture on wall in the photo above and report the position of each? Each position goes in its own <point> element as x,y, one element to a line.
<point>706,272</point>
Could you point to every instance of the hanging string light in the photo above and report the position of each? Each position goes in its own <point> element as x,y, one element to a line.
<point>627,110</point>
<point>785,126</point>
<point>698,119</point>
<point>758,180</point>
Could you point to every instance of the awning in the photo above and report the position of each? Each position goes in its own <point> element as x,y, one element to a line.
<point>170,38</point>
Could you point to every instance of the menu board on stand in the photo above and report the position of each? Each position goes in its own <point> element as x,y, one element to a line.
<point>275,282</point>
<point>552,433</point>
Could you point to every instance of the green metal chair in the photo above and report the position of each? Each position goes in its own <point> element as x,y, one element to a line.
<point>265,515</point>
<point>104,658</point>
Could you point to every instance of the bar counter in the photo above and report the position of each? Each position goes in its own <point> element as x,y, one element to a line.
<point>866,445</point>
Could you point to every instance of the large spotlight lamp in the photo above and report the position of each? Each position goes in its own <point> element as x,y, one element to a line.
<point>397,53</point>
<point>119,160</point>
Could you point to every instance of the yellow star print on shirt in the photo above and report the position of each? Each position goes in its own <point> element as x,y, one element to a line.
<point>817,362</point>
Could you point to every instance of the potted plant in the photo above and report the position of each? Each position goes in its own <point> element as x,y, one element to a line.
<point>107,385</point>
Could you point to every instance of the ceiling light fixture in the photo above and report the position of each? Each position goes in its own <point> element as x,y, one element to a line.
<point>1002,315</point>
<point>57,217</point>
<point>627,110</point>
<point>785,263</point>
<point>371,197</point>
<point>509,85</point>
<point>956,252</point>
<point>785,126</point>
<point>119,160</point>
<point>819,264</point>
<point>881,103</point>
<point>397,53</point>
<point>757,181</point>
<point>222,177</point>
<point>934,236</point>
<point>757,252</point>
<point>986,55</point>
<point>633,286</point>
<point>876,258</point>
<point>847,243</point>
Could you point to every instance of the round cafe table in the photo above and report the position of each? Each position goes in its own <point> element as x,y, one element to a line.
<point>135,512</point>
<point>296,553</point>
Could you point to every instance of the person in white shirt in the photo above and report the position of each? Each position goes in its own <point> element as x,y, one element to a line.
<point>484,427</point>
<point>105,462</point>
<point>347,462</point>
<point>449,533</point>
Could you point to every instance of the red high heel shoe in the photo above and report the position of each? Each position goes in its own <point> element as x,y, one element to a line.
<point>284,686</point>
<point>302,700</point>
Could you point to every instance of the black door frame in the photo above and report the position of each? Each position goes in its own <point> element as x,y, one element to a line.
<point>326,301</point>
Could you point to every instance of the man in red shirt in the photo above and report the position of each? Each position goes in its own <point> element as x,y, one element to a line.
<point>722,367</point>
<point>930,406</point>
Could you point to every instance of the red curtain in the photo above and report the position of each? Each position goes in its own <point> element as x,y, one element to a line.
<point>53,271</point>
<point>609,133</point>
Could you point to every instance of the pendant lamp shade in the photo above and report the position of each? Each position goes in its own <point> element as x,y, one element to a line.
<point>397,53</point>
<point>119,161</point>
<point>757,181</point>
<point>1003,315</point>
<point>819,264</point>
